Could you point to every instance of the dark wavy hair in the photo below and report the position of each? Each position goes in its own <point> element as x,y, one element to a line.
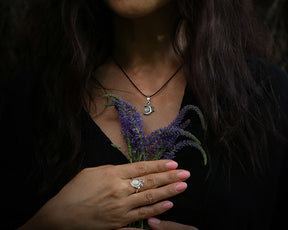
<point>220,36</point>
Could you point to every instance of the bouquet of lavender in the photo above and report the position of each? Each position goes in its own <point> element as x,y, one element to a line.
<point>163,143</point>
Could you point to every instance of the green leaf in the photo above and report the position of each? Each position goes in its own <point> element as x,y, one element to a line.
<point>116,146</point>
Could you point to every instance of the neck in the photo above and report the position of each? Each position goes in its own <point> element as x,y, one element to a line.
<point>146,41</point>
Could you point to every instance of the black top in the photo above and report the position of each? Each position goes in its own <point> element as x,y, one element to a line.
<point>214,198</point>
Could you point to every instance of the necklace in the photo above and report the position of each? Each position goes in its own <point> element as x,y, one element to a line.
<point>148,108</point>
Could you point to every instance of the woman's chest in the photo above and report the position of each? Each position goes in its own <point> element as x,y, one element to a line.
<point>112,120</point>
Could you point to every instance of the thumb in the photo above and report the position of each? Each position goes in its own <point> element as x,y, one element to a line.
<point>157,224</point>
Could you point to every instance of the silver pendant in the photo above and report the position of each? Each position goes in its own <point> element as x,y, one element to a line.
<point>148,108</point>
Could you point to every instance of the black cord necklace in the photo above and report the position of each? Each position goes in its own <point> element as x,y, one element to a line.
<point>148,108</point>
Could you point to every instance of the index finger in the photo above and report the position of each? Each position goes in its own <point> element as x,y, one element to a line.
<point>142,168</point>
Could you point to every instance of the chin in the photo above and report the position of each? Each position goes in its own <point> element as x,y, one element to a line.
<point>135,8</point>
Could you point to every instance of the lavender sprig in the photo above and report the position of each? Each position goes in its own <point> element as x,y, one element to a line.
<point>131,127</point>
<point>161,143</point>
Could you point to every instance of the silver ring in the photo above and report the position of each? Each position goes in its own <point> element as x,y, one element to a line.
<point>137,183</point>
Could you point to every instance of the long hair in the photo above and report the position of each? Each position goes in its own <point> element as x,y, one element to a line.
<point>219,36</point>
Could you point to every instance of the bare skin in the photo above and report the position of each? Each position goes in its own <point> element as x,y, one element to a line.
<point>144,50</point>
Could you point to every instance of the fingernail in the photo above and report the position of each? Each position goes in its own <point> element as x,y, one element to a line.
<point>153,220</point>
<point>183,175</point>
<point>180,187</point>
<point>172,165</point>
<point>167,205</point>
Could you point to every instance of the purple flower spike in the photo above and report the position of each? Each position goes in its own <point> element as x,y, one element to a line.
<point>161,143</point>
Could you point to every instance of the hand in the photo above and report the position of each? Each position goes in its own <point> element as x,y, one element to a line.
<point>157,224</point>
<point>102,197</point>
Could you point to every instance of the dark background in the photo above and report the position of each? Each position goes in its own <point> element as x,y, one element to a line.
<point>272,13</point>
